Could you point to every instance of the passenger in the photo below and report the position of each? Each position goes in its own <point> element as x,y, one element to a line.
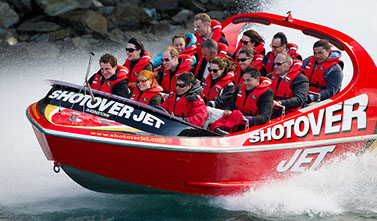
<point>250,39</point>
<point>185,45</point>
<point>207,29</point>
<point>247,58</point>
<point>279,44</point>
<point>111,78</point>
<point>210,50</point>
<point>218,86</point>
<point>137,59</point>
<point>324,71</point>
<point>147,90</point>
<point>289,84</point>
<point>185,102</point>
<point>253,98</point>
<point>173,65</point>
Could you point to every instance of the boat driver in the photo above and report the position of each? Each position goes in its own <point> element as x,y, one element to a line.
<point>111,78</point>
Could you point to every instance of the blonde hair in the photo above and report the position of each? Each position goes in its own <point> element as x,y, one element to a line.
<point>204,17</point>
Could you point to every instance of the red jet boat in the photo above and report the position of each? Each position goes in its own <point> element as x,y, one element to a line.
<point>110,144</point>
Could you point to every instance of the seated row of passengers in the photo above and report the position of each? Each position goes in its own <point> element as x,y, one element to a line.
<point>197,76</point>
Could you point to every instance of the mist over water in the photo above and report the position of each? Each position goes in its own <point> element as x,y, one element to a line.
<point>29,187</point>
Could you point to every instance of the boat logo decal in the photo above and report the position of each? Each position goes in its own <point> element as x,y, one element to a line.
<point>339,118</point>
<point>105,108</point>
<point>303,159</point>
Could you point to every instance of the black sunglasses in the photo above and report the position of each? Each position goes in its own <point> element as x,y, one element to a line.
<point>280,63</point>
<point>181,85</point>
<point>244,42</point>
<point>130,49</point>
<point>275,47</point>
<point>213,70</point>
<point>243,59</point>
<point>165,59</point>
<point>142,81</point>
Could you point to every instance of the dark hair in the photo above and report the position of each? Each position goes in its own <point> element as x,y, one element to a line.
<point>181,35</point>
<point>187,77</point>
<point>211,45</point>
<point>254,37</point>
<point>282,37</point>
<point>248,51</point>
<point>254,72</point>
<point>138,44</point>
<point>108,58</point>
<point>224,63</point>
<point>322,43</point>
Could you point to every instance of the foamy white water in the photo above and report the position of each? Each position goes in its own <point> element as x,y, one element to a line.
<point>347,186</point>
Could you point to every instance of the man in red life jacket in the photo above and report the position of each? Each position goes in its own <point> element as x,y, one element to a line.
<point>185,102</point>
<point>173,65</point>
<point>289,84</point>
<point>279,44</point>
<point>210,51</point>
<point>111,78</point>
<point>253,98</point>
<point>324,71</point>
<point>207,29</point>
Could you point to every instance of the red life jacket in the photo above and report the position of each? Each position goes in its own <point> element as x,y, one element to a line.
<point>121,73</point>
<point>259,49</point>
<point>212,92</point>
<point>189,50</point>
<point>217,32</point>
<point>249,104</point>
<point>291,50</point>
<point>178,108</point>
<point>167,83</point>
<point>283,91</point>
<point>147,96</point>
<point>316,81</point>
<point>257,63</point>
<point>139,66</point>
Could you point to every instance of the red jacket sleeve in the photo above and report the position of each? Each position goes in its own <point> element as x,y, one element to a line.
<point>198,112</point>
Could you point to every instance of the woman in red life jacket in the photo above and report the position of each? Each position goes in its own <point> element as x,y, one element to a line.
<point>147,90</point>
<point>218,86</point>
<point>185,101</point>
<point>137,59</point>
<point>246,58</point>
<point>111,78</point>
<point>253,98</point>
<point>250,39</point>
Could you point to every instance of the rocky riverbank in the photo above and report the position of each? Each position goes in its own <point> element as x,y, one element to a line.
<point>80,21</point>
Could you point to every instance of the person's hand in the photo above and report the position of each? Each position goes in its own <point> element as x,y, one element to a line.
<point>227,112</point>
<point>276,103</point>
